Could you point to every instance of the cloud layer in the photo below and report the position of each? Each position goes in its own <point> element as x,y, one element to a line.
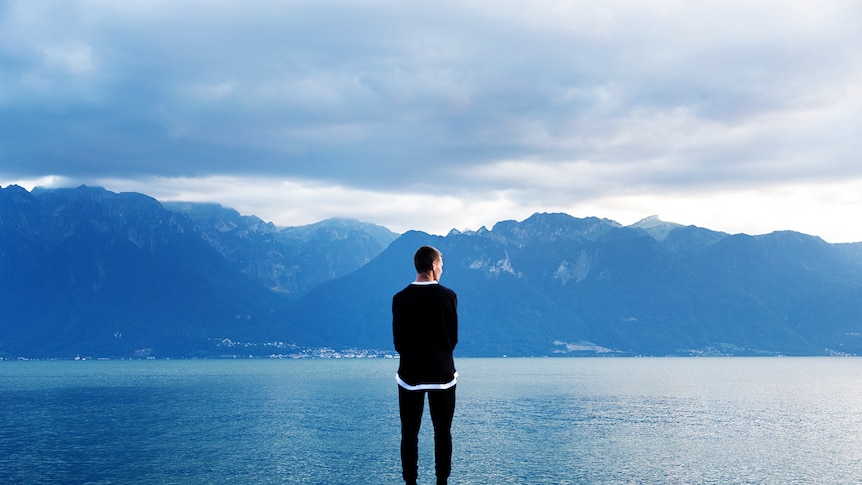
<point>738,116</point>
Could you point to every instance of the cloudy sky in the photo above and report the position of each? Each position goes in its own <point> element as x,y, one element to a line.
<point>740,116</point>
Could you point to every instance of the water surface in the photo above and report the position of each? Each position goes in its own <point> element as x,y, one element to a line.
<point>531,421</point>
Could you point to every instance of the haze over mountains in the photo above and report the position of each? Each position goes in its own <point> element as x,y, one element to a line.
<point>87,272</point>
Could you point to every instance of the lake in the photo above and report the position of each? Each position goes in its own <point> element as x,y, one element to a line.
<point>520,421</point>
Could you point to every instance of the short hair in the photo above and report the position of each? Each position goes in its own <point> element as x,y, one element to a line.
<point>425,257</point>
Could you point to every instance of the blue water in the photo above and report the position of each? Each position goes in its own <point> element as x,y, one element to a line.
<point>524,421</point>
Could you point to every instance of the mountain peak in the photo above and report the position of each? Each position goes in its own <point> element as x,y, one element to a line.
<point>648,221</point>
<point>552,226</point>
<point>655,227</point>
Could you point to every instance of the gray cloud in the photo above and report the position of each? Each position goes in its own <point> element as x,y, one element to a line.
<point>535,101</point>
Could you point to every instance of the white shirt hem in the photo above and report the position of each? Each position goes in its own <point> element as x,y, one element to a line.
<point>427,387</point>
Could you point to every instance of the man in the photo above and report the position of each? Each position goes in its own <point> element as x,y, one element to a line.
<point>425,330</point>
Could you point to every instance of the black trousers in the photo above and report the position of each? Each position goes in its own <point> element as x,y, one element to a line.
<point>442,406</point>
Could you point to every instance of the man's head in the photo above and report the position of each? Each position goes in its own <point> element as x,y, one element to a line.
<point>429,260</point>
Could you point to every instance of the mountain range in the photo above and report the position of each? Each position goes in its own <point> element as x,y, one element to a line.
<point>88,272</point>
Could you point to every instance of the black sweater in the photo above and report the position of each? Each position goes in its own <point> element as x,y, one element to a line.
<point>425,331</point>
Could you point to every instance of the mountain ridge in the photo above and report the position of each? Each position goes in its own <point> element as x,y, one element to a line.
<point>86,271</point>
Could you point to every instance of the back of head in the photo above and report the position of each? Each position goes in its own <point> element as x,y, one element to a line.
<point>424,258</point>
